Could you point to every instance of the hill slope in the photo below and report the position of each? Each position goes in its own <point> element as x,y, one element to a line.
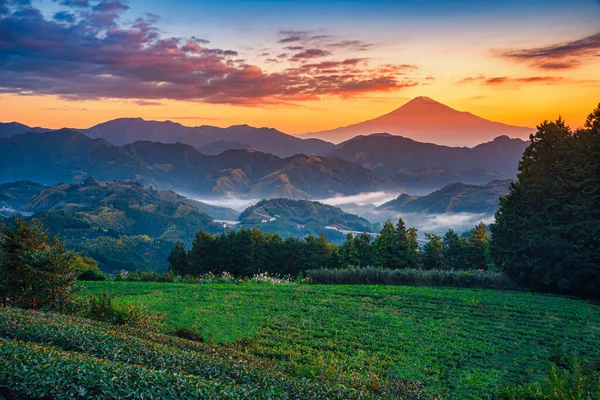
<point>69,156</point>
<point>454,198</point>
<point>121,224</point>
<point>15,194</point>
<point>426,120</point>
<point>310,215</point>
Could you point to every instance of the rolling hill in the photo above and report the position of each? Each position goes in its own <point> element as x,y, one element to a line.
<point>122,225</point>
<point>426,120</point>
<point>454,198</point>
<point>301,217</point>
<point>69,156</point>
<point>15,194</point>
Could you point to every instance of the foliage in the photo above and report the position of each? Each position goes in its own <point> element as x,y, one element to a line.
<point>547,230</point>
<point>102,307</point>
<point>90,269</point>
<point>460,343</point>
<point>35,271</point>
<point>577,382</point>
<point>411,277</point>
<point>249,252</point>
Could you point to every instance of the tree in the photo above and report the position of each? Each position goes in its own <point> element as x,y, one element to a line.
<point>385,247</point>
<point>203,257</point>
<point>547,230</point>
<point>413,249</point>
<point>89,268</point>
<point>348,253</point>
<point>477,247</point>
<point>432,251</point>
<point>178,260</point>
<point>452,252</point>
<point>35,271</point>
<point>364,247</point>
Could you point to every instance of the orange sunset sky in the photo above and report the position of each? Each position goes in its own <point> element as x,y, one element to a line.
<point>295,66</point>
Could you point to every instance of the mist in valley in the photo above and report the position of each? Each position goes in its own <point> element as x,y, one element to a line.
<point>365,204</point>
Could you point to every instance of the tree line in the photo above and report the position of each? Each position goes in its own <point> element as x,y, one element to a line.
<point>250,251</point>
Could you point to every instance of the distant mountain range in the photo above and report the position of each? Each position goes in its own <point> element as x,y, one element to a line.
<point>263,162</point>
<point>14,128</point>
<point>453,198</point>
<point>209,139</point>
<point>69,156</point>
<point>426,120</point>
<point>420,168</point>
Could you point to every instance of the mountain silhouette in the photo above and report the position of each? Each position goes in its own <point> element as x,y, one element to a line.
<point>426,120</point>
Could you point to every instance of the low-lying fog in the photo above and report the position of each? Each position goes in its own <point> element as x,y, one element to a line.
<point>364,205</point>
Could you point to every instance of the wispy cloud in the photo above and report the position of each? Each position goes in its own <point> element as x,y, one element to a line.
<point>558,56</point>
<point>310,53</point>
<point>513,81</point>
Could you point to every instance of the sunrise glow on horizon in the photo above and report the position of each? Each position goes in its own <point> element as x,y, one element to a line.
<point>298,66</point>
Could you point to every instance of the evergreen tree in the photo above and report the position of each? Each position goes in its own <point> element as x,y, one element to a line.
<point>204,255</point>
<point>364,246</point>
<point>452,257</point>
<point>477,247</point>
<point>348,252</point>
<point>413,250</point>
<point>547,230</point>
<point>386,247</point>
<point>178,260</point>
<point>35,271</point>
<point>432,251</point>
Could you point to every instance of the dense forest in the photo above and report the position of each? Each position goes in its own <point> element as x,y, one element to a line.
<point>250,251</point>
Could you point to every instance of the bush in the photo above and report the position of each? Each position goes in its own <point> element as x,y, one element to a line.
<point>578,381</point>
<point>411,277</point>
<point>102,307</point>
<point>91,275</point>
<point>189,334</point>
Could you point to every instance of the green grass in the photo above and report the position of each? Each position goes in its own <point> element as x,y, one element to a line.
<point>460,343</point>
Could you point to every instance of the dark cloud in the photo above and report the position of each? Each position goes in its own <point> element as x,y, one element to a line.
<point>357,45</point>
<point>292,36</point>
<point>88,55</point>
<point>65,16</point>
<point>558,56</point>
<point>110,6</point>
<point>75,3</point>
<point>294,48</point>
<point>310,53</point>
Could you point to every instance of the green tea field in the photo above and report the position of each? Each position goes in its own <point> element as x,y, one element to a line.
<point>379,341</point>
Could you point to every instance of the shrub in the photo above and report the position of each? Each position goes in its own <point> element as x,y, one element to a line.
<point>189,334</point>
<point>102,307</point>
<point>411,277</point>
<point>578,381</point>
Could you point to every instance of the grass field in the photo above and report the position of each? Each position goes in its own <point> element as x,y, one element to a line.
<point>459,343</point>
